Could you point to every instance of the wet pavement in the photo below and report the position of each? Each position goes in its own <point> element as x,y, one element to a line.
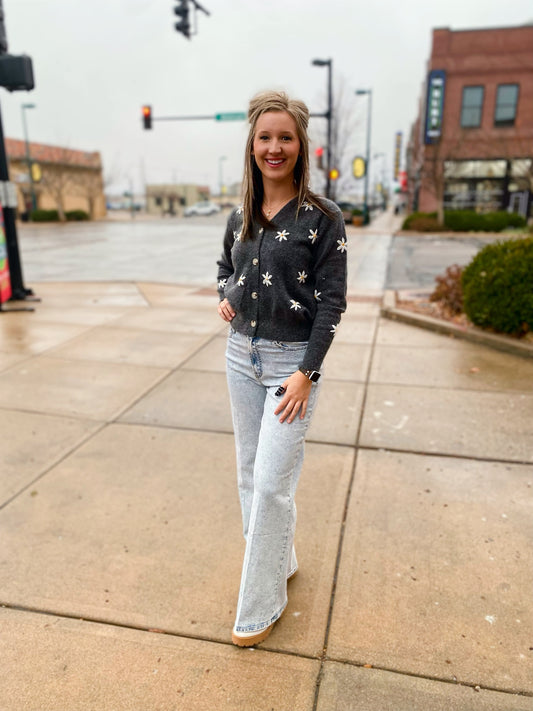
<point>120,537</point>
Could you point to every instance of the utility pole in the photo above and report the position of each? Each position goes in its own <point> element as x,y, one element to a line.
<point>16,74</point>
<point>329,115</point>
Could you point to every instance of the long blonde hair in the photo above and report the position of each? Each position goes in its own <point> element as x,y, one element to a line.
<point>253,179</point>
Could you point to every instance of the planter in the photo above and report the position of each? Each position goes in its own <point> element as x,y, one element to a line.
<point>358,220</point>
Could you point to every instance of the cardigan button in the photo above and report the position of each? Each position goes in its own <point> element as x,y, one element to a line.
<point>253,324</point>
<point>254,294</point>
<point>255,261</point>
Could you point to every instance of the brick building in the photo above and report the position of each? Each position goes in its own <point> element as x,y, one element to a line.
<point>471,146</point>
<point>67,179</point>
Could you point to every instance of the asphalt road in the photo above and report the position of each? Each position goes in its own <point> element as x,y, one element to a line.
<point>184,251</point>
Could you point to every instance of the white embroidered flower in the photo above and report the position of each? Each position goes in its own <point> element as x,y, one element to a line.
<point>313,236</point>
<point>239,210</point>
<point>282,235</point>
<point>237,236</point>
<point>334,328</point>
<point>240,281</point>
<point>222,283</point>
<point>267,279</point>
<point>342,245</point>
<point>302,276</point>
<point>307,206</point>
<point>295,305</point>
<point>317,295</point>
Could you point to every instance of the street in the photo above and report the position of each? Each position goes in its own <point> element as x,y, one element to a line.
<point>184,251</point>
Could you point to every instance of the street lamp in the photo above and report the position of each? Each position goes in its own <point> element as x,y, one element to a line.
<point>329,115</point>
<point>367,92</point>
<point>220,178</point>
<point>28,157</point>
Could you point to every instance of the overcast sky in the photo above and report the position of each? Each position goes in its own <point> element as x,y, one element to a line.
<point>97,61</point>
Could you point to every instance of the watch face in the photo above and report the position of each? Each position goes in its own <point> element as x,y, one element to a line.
<point>315,375</point>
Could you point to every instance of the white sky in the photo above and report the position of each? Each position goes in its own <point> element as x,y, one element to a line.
<point>97,61</point>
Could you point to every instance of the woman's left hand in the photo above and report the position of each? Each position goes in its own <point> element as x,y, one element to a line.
<point>295,398</point>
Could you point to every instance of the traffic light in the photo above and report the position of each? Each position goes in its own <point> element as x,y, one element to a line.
<point>147,117</point>
<point>319,152</point>
<point>182,11</point>
<point>334,174</point>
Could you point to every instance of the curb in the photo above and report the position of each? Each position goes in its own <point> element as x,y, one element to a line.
<point>473,334</point>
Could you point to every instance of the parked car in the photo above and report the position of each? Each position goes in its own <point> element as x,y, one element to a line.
<point>202,208</point>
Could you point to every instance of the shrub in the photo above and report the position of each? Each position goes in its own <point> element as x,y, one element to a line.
<point>356,212</point>
<point>515,220</point>
<point>470,221</point>
<point>45,216</point>
<point>498,287</point>
<point>415,216</point>
<point>425,224</point>
<point>449,290</point>
<point>77,215</point>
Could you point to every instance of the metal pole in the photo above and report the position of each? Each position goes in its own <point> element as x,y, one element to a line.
<point>330,117</point>
<point>28,158</point>
<point>19,291</point>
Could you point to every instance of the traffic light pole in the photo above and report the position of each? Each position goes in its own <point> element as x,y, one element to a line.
<point>19,291</point>
<point>329,117</point>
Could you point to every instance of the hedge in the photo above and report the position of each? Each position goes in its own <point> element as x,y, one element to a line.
<point>498,287</point>
<point>464,221</point>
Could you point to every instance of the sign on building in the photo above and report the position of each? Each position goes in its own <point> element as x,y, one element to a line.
<point>434,105</point>
<point>397,153</point>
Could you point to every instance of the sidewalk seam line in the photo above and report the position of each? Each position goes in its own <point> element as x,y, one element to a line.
<point>345,515</point>
<point>266,650</point>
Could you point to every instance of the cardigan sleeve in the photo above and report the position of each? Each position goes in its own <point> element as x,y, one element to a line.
<point>225,264</point>
<point>330,288</point>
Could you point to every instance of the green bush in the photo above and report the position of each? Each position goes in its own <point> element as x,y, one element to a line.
<point>470,221</point>
<point>44,216</point>
<point>498,287</point>
<point>356,212</point>
<point>77,215</point>
<point>407,223</point>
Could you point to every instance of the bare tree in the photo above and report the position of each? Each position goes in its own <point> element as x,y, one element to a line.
<point>345,137</point>
<point>57,179</point>
<point>89,184</point>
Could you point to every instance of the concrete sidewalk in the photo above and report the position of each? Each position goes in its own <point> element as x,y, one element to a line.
<point>120,538</point>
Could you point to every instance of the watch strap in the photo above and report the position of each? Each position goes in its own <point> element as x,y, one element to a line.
<point>313,375</point>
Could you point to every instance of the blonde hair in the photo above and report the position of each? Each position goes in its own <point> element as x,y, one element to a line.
<point>253,180</point>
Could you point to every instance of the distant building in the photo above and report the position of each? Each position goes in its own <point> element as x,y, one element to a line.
<point>171,199</point>
<point>64,179</point>
<point>471,146</point>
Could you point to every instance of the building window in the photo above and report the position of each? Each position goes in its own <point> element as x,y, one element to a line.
<point>506,101</point>
<point>472,106</point>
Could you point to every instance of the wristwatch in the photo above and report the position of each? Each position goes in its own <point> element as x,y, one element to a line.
<point>313,375</point>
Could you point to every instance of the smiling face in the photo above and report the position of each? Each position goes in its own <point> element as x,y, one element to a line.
<point>276,146</point>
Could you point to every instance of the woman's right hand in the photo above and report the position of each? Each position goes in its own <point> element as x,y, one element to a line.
<point>225,310</point>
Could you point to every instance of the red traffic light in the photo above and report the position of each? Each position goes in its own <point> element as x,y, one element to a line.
<point>319,152</point>
<point>147,116</point>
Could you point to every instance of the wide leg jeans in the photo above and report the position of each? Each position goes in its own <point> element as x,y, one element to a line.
<point>269,461</point>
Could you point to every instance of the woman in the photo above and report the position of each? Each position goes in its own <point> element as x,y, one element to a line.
<point>282,286</point>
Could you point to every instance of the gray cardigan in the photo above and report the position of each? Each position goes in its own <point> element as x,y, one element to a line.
<point>287,283</point>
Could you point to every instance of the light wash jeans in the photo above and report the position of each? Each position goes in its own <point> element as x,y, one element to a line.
<point>269,461</point>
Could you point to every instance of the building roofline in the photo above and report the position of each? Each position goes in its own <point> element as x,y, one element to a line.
<point>486,29</point>
<point>58,155</point>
